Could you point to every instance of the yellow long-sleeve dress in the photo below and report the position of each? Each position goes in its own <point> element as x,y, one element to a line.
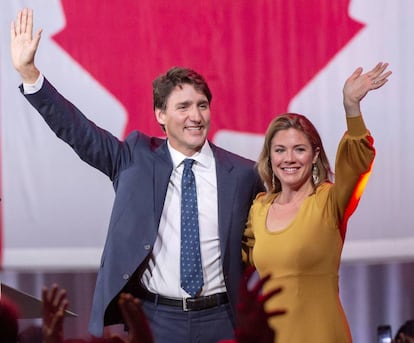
<point>304,257</point>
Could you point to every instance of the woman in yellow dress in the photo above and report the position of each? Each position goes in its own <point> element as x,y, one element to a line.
<point>296,230</point>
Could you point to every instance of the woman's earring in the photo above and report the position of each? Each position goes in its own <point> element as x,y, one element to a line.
<point>315,174</point>
<point>273,182</point>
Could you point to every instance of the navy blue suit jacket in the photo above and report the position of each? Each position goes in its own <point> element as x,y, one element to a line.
<point>140,168</point>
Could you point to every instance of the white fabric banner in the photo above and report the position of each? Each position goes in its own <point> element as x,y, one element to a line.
<point>55,208</point>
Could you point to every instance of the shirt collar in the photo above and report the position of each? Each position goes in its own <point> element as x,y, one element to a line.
<point>204,157</point>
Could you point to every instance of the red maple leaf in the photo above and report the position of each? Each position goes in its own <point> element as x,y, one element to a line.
<point>255,55</point>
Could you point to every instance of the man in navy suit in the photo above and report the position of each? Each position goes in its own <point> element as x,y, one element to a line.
<point>142,249</point>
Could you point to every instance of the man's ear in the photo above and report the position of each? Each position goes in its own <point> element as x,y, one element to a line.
<point>159,115</point>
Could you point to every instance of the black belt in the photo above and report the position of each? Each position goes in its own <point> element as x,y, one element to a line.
<point>188,304</point>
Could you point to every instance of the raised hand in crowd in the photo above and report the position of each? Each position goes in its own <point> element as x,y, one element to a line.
<point>138,327</point>
<point>55,304</point>
<point>252,318</point>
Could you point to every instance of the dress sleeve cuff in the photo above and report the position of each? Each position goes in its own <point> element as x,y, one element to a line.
<point>356,126</point>
<point>31,88</point>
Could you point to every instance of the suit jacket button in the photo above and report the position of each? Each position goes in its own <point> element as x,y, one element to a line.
<point>125,276</point>
<point>147,247</point>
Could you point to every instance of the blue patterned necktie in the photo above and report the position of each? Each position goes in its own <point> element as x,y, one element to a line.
<point>190,265</point>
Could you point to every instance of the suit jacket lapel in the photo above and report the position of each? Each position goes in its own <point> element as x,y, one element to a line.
<point>162,169</point>
<point>226,189</point>
<point>226,186</point>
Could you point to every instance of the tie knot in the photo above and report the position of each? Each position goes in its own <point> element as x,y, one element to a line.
<point>188,163</point>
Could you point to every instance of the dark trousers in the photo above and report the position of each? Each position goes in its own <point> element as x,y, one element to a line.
<point>173,325</point>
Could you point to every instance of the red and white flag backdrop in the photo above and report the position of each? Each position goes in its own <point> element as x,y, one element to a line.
<point>261,58</point>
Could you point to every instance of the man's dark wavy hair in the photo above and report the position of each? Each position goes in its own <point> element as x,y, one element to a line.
<point>164,84</point>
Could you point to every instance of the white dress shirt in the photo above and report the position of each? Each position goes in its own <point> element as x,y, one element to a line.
<point>163,273</point>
